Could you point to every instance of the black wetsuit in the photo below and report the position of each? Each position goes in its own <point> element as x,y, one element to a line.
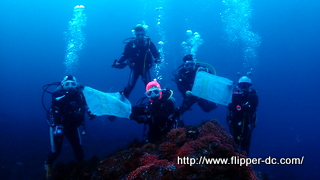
<point>157,115</point>
<point>139,58</point>
<point>68,112</point>
<point>185,79</point>
<point>241,116</point>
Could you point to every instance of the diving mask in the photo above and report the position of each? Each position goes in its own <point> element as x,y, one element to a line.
<point>69,84</point>
<point>189,65</point>
<point>153,93</point>
<point>244,85</point>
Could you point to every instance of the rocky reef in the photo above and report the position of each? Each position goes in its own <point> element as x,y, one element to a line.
<point>190,145</point>
<point>171,158</point>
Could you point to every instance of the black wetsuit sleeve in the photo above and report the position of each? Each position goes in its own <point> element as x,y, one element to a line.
<point>138,114</point>
<point>126,53</point>
<point>84,103</point>
<point>254,101</point>
<point>155,53</point>
<point>176,75</point>
<point>182,88</point>
<point>181,83</point>
<point>234,101</point>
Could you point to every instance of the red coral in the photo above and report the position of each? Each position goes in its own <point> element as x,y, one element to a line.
<point>136,174</point>
<point>148,148</point>
<point>188,148</point>
<point>148,159</point>
<point>152,168</point>
<point>177,136</point>
<point>160,161</point>
<point>167,150</point>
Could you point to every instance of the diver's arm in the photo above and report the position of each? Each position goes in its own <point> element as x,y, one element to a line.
<point>182,88</point>
<point>126,53</point>
<point>254,101</point>
<point>233,104</point>
<point>86,107</point>
<point>155,53</point>
<point>138,114</point>
<point>180,83</point>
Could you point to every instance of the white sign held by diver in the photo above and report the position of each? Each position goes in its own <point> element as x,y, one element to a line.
<point>212,88</point>
<point>101,103</point>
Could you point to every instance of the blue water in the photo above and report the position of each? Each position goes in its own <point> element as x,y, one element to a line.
<point>285,73</point>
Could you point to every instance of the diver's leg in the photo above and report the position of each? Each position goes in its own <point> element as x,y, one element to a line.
<point>73,136</point>
<point>146,78</point>
<point>247,133</point>
<point>133,77</point>
<point>56,145</point>
<point>234,127</point>
<point>235,131</point>
<point>245,145</point>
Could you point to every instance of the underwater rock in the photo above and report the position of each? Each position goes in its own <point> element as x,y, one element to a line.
<point>160,160</point>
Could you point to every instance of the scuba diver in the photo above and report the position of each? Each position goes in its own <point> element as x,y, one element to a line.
<point>138,54</point>
<point>66,114</point>
<point>159,113</point>
<point>241,115</point>
<point>184,77</point>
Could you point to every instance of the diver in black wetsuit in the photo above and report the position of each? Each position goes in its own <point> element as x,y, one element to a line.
<point>67,113</point>
<point>159,114</point>
<point>241,116</point>
<point>184,77</point>
<point>138,55</point>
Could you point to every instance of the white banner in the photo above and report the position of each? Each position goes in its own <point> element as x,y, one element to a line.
<point>101,103</point>
<point>213,88</point>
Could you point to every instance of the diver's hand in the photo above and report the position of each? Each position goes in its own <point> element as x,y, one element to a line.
<point>116,65</point>
<point>203,69</point>
<point>119,65</point>
<point>91,116</point>
<point>115,62</point>
<point>188,93</point>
